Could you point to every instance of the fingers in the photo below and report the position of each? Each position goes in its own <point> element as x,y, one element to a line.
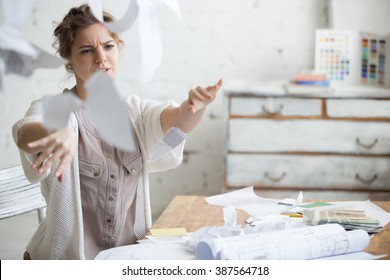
<point>197,93</point>
<point>57,148</point>
<point>216,86</point>
<point>41,158</point>
<point>201,97</point>
<point>65,160</point>
<point>197,99</point>
<point>51,160</point>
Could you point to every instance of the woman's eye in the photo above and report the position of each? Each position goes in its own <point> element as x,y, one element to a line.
<point>86,51</point>
<point>109,46</point>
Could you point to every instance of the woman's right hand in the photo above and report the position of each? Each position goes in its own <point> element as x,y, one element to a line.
<point>60,146</point>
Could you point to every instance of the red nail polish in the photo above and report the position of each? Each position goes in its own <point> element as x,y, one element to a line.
<point>60,178</point>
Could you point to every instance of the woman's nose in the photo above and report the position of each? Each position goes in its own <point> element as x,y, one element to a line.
<point>100,56</point>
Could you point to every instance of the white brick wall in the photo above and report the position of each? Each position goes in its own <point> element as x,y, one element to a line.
<point>229,39</point>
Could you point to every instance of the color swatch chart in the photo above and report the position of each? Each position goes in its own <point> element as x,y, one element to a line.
<point>373,59</point>
<point>336,54</point>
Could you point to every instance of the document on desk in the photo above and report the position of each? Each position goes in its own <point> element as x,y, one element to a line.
<point>247,200</point>
<point>148,251</point>
<point>310,242</point>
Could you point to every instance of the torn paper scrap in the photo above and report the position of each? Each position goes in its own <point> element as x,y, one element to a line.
<point>16,14</point>
<point>24,65</point>
<point>108,113</point>
<point>56,110</point>
<point>150,34</point>
<point>121,24</point>
<point>17,55</point>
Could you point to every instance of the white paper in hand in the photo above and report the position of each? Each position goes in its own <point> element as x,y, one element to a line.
<point>56,110</point>
<point>108,113</point>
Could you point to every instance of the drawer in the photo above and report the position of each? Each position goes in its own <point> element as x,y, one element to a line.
<point>256,106</point>
<point>359,108</point>
<point>318,136</point>
<point>320,172</point>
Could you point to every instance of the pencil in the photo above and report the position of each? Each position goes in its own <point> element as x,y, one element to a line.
<point>294,215</point>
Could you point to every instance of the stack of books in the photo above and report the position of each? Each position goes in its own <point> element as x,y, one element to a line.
<point>309,83</point>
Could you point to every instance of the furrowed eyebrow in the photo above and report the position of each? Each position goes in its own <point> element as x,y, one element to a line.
<point>109,41</point>
<point>86,46</point>
<point>91,46</point>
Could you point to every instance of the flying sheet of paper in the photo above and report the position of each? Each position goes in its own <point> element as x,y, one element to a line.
<point>104,107</point>
<point>16,14</point>
<point>17,55</point>
<point>151,35</point>
<point>108,113</point>
<point>56,110</point>
<point>246,199</point>
<point>151,44</point>
<point>123,23</point>
<point>149,29</point>
<point>24,65</point>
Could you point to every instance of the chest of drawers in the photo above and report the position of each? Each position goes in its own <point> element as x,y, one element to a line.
<point>330,146</point>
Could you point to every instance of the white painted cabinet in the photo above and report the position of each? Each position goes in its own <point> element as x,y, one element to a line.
<point>334,146</point>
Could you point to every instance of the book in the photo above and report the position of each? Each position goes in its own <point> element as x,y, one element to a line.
<point>312,83</point>
<point>307,89</point>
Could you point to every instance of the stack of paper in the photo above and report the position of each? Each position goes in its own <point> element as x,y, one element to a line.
<point>349,219</point>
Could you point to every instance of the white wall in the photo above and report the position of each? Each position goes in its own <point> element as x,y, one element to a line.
<point>229,39</point>
<point>368,15</point>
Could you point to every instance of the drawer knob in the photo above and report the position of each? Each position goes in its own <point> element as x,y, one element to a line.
<point>273,178</point>
<point>366,180</point>
<point>366,146</point>
<point>273,111</point>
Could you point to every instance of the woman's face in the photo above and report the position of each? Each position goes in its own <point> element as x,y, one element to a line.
<point>93,50</point>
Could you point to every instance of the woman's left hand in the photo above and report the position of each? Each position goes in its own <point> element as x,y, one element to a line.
<point>200,97</point>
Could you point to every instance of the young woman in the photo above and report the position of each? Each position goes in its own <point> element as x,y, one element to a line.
<point>97,196</point>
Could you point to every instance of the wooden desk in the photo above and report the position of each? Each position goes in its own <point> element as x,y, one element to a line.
<point>192,213</point>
